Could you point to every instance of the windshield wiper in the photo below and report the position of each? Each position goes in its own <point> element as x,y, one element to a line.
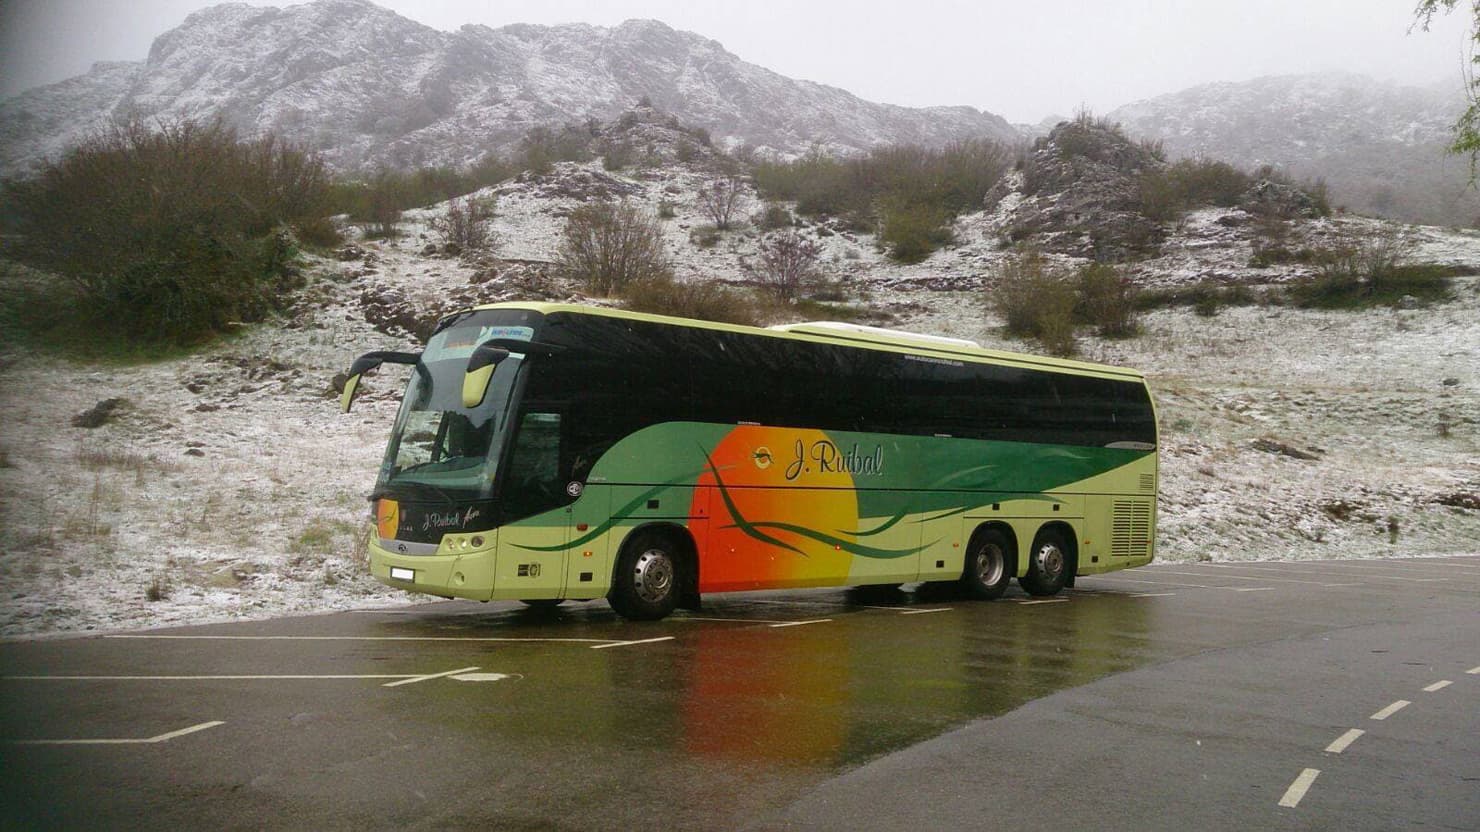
<point>412,485</point>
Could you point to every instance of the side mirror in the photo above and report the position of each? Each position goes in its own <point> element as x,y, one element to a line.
<point>365,364</point>
<point>481,364</point>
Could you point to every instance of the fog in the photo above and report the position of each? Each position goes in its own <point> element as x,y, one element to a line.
<point>1024,61</point>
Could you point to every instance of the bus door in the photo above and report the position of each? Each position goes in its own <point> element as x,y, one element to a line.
<point>536,489</point>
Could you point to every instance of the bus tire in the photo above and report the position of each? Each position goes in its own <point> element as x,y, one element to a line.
<point>988,569</point>
<point>1048,565</point>
<point>647,582</point>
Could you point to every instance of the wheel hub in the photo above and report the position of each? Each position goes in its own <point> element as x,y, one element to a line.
<point>1050,560</point>
<point>989,565</point>
<point>653,575</point>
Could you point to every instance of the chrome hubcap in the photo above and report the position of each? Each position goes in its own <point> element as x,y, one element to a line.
<point>652,577</point>
<point>989,565</point>
<point>1050,561</point>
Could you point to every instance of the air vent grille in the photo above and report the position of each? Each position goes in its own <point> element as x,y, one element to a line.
<point>1148,482</point>
<point>1130,531</point>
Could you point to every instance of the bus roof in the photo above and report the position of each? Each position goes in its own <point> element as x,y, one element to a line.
<point>861,337</point>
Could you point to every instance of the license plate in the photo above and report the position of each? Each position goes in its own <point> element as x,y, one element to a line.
<point>403,574</point>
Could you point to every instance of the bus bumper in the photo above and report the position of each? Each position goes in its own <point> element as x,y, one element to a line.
<point>463,574</point>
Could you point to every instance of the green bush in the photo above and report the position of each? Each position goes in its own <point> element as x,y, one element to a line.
<point>169,235</point>
<point>946,181</point>
<point>912,231</point>
<point>1107,301</point>
<point>662,295</point>
<point>1035,302</point>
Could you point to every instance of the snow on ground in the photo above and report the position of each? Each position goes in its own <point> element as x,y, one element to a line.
<point>229,486</point>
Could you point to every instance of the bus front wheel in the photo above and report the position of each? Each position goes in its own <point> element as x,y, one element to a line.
<point>1048,565</point>
<point>988,570</point>
<point>645,586</point>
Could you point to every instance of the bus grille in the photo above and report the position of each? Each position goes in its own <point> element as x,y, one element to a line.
<point>1130,529</point>
<point>1148,482</point>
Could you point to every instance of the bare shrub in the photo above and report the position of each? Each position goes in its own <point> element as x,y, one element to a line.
<point>466,224</point>
<point>606,246</point>
<point>786,265</point>
<point>719,200</point>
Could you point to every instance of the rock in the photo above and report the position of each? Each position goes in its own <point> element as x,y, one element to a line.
<point>1272,447</point>
<point>204,407</point>
<point>98,415</point>
<point>194,452</point>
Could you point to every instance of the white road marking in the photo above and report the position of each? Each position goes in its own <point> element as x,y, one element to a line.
<point>213,678</point>
<point>483,677</point>
<point>1438,686</point>
<point>732,620</point>
<point>166,737</point>
<point>629,643</point>
<point>365,638</point>
<point>801,623</point>
<point>1151,594</point>
<point>1298,788</point>
<point>924,612</point>
<point>1340,743</point>
<point>1044,601</point>
<point>1198,586</point>
<point>1223,567</point>
<point>1391,709</point>
<point>1474,671</point>
<point>414,679</point>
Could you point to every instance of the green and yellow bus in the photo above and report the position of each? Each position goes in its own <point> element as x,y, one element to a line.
<point>550,452</point>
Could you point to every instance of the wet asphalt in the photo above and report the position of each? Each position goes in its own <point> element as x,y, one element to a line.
<point>1168,697</point>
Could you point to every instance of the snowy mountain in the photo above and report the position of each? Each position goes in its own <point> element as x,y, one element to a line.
<point>366,86</point>
<point>1380,146</point>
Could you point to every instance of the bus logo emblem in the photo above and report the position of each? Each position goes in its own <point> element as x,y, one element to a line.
<point>762,457</point>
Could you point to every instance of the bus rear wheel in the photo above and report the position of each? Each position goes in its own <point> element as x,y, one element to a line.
<point>645,586</point>
<point>1048,565</point>
<point>988,570</point>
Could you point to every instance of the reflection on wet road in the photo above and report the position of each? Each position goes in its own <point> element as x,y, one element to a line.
<point>460,713</point>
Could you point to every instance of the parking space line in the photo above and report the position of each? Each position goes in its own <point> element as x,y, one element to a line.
<point>1043,601</point>
<point>1474,671</point>
<point>365,638</point>
<point>1225,574</point>
<point>800,623</point>
<point>1298,788</point>
<point>1440,685</point>
<point>1150,594</point>
<point>730,620</point>
<point>206,678</point>
<point>1340,743</point>
<point>413,680</point>
<point>1198,586</point>
<point>924,612</point>
<point>1391,709</point>
<point>165,737</point>
<point>630,643</point>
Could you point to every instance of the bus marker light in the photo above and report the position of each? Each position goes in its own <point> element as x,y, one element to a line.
<point>580,527</point>
<point>586,554</point>
<point>477,542</point>
<point>403,574</point>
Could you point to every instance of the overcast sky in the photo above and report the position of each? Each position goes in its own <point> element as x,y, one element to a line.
<point>1024,60</point>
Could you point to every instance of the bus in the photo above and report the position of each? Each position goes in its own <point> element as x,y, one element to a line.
<point>551,452</point>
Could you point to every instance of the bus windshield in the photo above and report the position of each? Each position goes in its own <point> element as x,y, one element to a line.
<point>440,450</point>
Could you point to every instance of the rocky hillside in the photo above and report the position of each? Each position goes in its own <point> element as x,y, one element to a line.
<point>366,86</point>
<point>1380,146</point>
